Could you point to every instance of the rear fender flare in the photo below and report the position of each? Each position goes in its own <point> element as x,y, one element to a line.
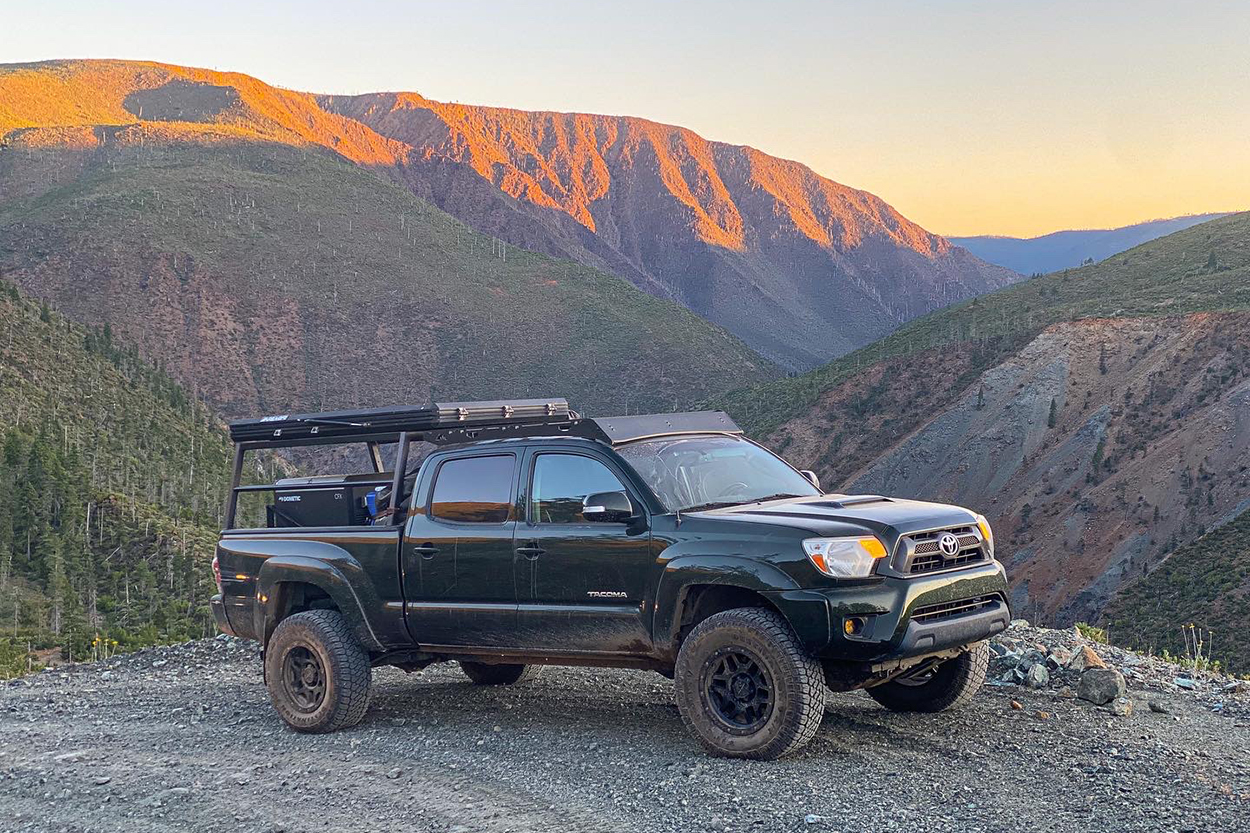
<point>351,597</point>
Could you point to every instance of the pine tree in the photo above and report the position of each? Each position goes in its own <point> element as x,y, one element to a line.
<point>1054,413</point>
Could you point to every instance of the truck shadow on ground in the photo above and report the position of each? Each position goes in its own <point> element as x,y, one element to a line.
<point>550,712</point>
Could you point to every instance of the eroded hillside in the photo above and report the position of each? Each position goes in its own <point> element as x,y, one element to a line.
<point>1095,448</point>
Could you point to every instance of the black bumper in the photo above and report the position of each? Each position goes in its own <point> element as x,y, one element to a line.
<point>925,637</point>
<point>900,617</point>
<point>219,615</point>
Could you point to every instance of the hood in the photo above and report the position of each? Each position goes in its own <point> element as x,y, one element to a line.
<point>834,515</point>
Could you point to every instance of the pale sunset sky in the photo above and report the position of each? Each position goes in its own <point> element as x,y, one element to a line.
<point>1005,117</point>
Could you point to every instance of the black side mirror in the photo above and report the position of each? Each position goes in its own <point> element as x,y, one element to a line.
<point>607,507</point>
<point>811,477</point>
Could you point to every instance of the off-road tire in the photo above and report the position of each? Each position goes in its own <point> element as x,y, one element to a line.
<point>482,673</point>
<point>767,644</point>
<point>953,683</point>
<point>345,675</point>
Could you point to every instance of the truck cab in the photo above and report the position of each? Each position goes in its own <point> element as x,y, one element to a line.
<point>529,536</point>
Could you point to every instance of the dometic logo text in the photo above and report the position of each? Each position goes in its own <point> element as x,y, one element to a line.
<point>289,498</point>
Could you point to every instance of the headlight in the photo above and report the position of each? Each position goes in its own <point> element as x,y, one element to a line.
<point>986,533</point>
<point>844,557</point>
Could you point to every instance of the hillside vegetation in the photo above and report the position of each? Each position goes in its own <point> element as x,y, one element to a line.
<point>269,277</point>
<point>111,485</point>
<point>1203,268</point>
<point>1204,585</point>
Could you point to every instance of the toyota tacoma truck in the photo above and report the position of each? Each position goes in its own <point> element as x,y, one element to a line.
<point>530,536</point>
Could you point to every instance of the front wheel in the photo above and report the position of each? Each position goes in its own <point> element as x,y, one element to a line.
<point>318,675</point>
<point>745,687</point>
<point>937,689</point>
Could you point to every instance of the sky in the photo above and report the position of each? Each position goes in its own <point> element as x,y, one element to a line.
<point>1007,117</point>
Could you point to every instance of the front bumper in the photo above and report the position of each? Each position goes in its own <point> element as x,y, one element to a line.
<point>219,615</point>
<point>887,609</point>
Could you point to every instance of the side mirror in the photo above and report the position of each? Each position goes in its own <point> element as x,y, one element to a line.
<point>607,507</point>
<point>811,477</point>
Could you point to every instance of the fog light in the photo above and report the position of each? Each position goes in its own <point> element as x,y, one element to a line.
<point>853,625</point>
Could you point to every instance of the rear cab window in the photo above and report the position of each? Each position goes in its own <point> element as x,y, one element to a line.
<point>474,489</point>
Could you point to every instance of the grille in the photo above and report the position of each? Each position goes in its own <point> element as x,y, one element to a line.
<point>951,610</point>
<point>923,556</point>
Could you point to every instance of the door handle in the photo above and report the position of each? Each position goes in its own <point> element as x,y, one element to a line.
<point>426,550</point>
<point>531,550</point>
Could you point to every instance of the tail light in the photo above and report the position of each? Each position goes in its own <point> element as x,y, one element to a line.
<point>217,572</point>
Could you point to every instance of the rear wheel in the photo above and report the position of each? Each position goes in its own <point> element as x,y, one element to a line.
<point>482,673</point>
<point>745,687</point>
<point>318,676</point>
<point>936,689</point>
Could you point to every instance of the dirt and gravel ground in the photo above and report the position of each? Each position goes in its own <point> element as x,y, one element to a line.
<point>183,738</point>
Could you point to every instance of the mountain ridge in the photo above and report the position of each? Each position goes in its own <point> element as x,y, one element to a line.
<point>720,227</point>
<point>1070,248</point>
<point>273,275</point>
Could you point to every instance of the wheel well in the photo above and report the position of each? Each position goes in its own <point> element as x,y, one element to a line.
<point>703,600</point>
<point>292,597</point>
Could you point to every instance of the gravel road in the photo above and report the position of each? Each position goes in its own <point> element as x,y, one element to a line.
<point>183,738</point>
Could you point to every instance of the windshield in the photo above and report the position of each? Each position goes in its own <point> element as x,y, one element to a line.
<point>689,473</point>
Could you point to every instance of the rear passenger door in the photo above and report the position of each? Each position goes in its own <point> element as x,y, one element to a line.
<point>581,585</point>
<point>458,551</point>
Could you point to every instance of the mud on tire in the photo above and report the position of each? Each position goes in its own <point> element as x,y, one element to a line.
<point>745,687</point>
<point>317,674</point>
<point>482,673</point>
<point>950,684</point>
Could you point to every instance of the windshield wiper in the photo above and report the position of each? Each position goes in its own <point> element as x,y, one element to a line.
<point>721,504</point>
<point>777,496</point>
<point>714,504</point>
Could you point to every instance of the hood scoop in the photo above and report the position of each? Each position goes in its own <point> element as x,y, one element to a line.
<point>847,501</point>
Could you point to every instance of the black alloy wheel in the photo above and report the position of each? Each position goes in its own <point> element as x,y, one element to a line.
<point>739,690</point>
<point>304,679</point>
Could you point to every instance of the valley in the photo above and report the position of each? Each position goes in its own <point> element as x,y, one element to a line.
<point>239,248</point>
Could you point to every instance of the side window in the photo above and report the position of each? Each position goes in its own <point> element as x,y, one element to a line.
<point>562,481</point>
<point>474,490</point>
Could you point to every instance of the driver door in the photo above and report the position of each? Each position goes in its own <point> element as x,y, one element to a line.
<point>581,585</point>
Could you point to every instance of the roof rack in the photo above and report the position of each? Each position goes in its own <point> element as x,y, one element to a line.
<point>438,422</point>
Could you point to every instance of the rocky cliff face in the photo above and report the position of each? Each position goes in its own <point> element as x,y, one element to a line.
<point>798,266</point>
<point>1095,449</point>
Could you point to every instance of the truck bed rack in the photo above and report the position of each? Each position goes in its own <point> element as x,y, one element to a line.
<point>383,425</point>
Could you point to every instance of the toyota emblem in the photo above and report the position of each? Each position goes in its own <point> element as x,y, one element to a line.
<point>948,544</point>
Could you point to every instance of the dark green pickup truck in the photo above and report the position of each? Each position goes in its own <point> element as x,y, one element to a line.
<point>530,536</point>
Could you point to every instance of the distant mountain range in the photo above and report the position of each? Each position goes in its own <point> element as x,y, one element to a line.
<point>1070,249</point>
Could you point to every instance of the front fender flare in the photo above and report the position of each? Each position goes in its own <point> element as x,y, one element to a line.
<point>806,613</point>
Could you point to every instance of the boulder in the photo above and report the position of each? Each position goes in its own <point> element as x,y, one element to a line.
<point>1058,658</point>
<point>1122,707</point>
<point>1100,686</point>
<point>1084,659</point>
<point>1037,676</point>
